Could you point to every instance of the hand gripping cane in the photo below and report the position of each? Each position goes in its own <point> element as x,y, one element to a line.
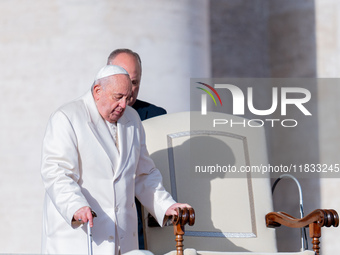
<point>89,235</point>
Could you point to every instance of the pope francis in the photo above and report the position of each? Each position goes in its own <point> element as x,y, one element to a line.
<point>94,157</point>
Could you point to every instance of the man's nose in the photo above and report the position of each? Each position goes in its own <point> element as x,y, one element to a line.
<point>123,102</point>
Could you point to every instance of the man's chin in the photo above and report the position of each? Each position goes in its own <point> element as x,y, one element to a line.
<point>116,116</point>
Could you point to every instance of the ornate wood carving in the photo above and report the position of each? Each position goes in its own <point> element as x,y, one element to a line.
<point>184,216</point>
<point>315,221</point>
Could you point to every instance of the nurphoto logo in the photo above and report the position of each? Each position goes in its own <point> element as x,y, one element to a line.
<point>280,98</point>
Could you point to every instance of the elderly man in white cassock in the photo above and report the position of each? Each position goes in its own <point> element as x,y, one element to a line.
<point>94,157</point>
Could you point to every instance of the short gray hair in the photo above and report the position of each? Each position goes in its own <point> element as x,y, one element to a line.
<point>116,52</point>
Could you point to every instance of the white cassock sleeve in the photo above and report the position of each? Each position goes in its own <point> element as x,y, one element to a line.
<point>149,187</point>
<point>60,169</point>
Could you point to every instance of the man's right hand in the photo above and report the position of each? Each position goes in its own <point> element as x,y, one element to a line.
<point>84,215</point>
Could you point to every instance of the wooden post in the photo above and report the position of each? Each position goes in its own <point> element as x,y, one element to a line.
<point>184,216</point>
<point>179,232</point>
<point>315,234</point>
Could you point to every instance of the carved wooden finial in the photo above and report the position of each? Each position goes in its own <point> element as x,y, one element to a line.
<point>184,216</point>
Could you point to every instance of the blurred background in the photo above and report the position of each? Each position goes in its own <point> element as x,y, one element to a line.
<point>50,52</point>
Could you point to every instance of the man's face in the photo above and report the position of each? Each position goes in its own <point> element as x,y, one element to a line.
<point>111,99</point>
<point>131,65</point>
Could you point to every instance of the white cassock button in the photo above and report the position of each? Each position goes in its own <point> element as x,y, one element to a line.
<point>111,238</point>
<point>116,209</point>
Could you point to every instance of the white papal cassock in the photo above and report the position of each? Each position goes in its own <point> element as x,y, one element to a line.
<point>82,167</point>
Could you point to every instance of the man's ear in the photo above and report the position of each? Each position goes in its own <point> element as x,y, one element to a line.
<point>97,90</point>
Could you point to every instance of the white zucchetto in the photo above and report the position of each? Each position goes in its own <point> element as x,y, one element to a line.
<point>110,70</point>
